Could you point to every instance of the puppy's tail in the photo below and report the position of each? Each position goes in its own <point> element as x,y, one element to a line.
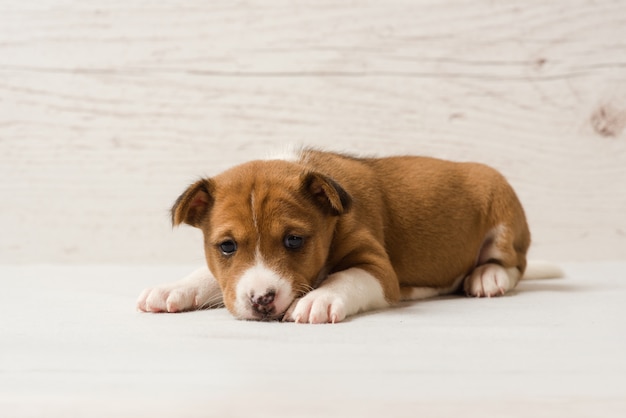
<point>542,270</point>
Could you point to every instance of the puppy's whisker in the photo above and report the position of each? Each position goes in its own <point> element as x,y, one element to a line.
<point>215,301</point>
<point>302,289</point>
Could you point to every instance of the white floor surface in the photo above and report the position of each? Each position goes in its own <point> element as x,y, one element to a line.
<point>72,345</point>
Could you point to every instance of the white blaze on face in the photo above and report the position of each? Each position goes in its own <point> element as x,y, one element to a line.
<point>255,220</point>
<point>260,280</point>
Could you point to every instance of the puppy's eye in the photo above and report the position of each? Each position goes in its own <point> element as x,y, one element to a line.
<point>293,242</point>
<point>228,247</point>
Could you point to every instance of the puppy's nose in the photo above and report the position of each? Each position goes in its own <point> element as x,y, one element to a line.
<point>264,304</point>
<point>263,300</point>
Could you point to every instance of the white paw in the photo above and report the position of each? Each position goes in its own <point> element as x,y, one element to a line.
<point>320,306</point>
<point>196,291</point>
<point>168,299</point>
<point>490,280</point>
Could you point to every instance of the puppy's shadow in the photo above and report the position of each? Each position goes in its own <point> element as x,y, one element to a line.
<point>559,285</point>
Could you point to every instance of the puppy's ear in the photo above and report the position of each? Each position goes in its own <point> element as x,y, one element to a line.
<point>326,193</point>
<point>192,206</point>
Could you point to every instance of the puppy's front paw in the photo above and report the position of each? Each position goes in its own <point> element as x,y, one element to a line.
<point>196,291</point>
<point>168,299</point>
<point>320,306</point>
<point>490,280</point>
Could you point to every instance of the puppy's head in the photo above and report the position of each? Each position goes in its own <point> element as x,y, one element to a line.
<point>268,227</point>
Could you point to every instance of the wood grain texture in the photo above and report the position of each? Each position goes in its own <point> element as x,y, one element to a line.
<point>109,109</point>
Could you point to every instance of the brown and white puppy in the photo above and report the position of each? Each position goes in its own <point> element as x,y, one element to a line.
<point>323,236</point>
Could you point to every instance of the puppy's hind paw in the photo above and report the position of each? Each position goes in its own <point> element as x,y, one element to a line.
<point>490,280</point>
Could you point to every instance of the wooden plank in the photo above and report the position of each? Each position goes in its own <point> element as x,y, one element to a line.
<point>108,110</point>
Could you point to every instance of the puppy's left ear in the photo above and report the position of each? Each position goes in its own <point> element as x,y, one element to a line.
<point>326,193</point>
<point>193,205</point>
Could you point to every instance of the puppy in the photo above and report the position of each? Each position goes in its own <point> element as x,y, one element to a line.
<point>321,236</point>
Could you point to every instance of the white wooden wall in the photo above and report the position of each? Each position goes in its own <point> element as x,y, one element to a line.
<point>108,109</point>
